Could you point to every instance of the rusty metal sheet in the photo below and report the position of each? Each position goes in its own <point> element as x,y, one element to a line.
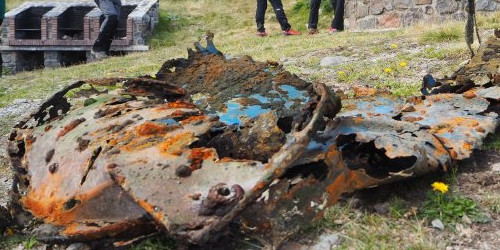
<point>376,140</point>
<point>140,154</point>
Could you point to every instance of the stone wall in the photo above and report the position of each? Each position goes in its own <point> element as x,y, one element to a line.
<point>52,42</point>
<point>373,14</point>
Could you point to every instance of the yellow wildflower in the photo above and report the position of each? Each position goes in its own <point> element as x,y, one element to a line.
<point>402,64</point>
<point>341,73</point>
<point>394,46</point>
<point>387,70</point>
<point>440,187</point>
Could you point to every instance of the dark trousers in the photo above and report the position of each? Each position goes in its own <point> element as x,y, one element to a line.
<point>111,11</point>
<point>338,20</point>
<point>278,9</point>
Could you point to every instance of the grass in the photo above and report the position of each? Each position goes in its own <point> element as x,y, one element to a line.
<point>449,208</point>
<point>155,243</point>
<point>365,230</point>
<point>450,32</point>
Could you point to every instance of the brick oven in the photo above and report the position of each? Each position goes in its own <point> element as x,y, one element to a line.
<point>53,34</point>
<point>373,14</point>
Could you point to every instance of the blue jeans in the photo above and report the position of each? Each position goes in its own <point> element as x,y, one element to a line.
<point>111,11</point>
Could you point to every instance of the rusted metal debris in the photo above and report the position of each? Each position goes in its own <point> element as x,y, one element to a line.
<point>213,140</point>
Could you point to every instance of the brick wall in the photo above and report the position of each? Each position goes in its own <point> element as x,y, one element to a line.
<point>372,14</point>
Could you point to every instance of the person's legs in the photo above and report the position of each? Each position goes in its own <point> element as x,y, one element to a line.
<point>118,7</point>
<point>108,26</point>
<point>1,61</point>
<point>338,20</point>
<point>313,14</point>
<point>260,14</point>
<point>280,14</point>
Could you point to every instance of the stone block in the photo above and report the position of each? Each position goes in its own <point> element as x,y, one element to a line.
<point>368,23</point>
<point>390,20</point>
<point>486,5</point>
<point>403,4</point>
<point>446,6</point>
<point>422,2</point>
<point>377,8</point>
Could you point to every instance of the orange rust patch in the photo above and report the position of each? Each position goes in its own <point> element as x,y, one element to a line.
<point>469,94</point>
<point>177,144</point>
<point>259,186</point>
<point>72,125</point>
<point>198,155</point>
<point>48,128</point>
<point>192,119</point>
<point>176,105</point>
<point>411,119</point>
<point>149,129</point>
<point>360,91</point>
<point>150,209</point>
<point>452,123</point>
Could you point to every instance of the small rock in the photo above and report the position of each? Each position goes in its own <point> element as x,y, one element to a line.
<point>78,246</point>
<point>332,60</point>
<point>408,108</point>
<point>437,223</point>
<point>496,167</point>
<point>326,241</point>
<point>45,230</point>
<point>466,220</point>
<point>183,171</point>
<point>382,208</point>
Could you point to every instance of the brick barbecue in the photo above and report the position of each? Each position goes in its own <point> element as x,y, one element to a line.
<point>53,34</point>
<point>374,14</point>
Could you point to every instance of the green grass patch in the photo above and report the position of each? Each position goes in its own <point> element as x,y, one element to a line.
<point>159,242</point>
<point>447,33</point>
<point>449,207</point>
<point>364,230</point>
<point>10,242</point>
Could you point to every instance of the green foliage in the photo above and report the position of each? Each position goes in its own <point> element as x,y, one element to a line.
<point>10,242</point>
<point>2,91</point>
<point>30,243</point>
<point>155,243</point>
<point>448,33</point>
<point>449,207</point>
<point>493,141</point>
<point>164,32</point>
<point>397,207</point>
<point>326,6</point>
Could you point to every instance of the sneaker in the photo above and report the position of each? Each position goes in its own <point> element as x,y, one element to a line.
<point>261,33</point>
<point>291,32</point>
<point>313,31</point>
<point>98,55</point>
<point>332,30</point>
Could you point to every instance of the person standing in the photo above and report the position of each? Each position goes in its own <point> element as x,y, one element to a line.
<point>2,15</point>
<point>280,15</point>
<point>337,22</point>
<point>111,11</point>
